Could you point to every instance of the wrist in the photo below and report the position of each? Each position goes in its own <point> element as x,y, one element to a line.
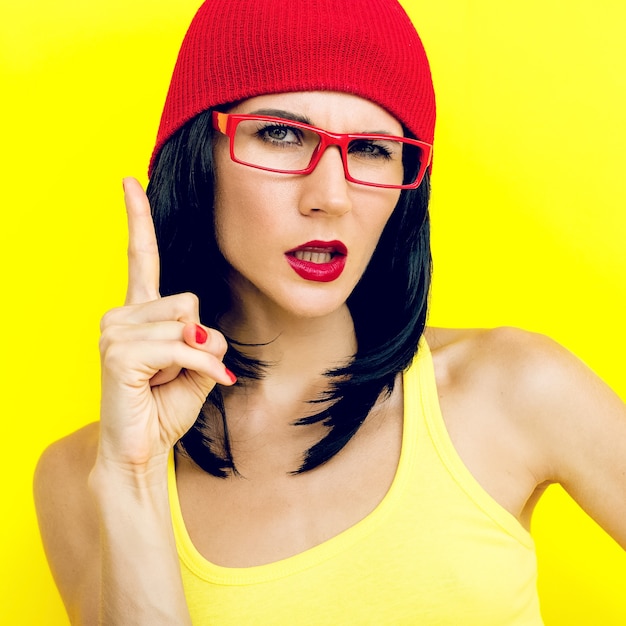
<point>112,476</point>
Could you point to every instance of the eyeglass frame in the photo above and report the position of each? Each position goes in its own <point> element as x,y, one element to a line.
<point>226,123</point>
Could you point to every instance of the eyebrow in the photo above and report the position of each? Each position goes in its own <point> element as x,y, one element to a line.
<point>295,117</point>
<point>286,115</point>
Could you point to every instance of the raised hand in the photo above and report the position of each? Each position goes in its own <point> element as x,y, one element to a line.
<point>158,362</point>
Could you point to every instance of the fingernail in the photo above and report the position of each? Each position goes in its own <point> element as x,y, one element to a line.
<point>230,375</point>
<point>201,334</point>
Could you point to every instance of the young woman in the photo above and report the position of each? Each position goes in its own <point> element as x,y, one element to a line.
<point>282,441</point>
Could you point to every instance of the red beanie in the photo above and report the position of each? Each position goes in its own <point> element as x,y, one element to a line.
<point>237,49</point>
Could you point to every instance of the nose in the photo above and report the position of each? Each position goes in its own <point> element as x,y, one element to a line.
<point>325,189</point>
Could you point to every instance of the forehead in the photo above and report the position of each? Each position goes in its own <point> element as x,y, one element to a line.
<point>336,111</point>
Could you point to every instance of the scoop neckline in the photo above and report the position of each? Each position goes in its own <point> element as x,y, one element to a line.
<point>211,572</point>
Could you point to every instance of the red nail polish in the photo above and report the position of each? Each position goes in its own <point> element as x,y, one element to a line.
<point>201,334</point>
<point>230,375</point>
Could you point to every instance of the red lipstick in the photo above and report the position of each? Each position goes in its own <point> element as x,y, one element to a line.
<point>320,261</point>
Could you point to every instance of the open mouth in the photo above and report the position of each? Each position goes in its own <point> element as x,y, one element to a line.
<point>312,256</point>
<point>320,261</point>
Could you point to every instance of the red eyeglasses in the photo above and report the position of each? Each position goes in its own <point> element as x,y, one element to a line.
<point>285,146</point>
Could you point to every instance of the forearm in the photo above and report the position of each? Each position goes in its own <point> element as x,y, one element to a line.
<point>158,366</point>
<point>140,573</point>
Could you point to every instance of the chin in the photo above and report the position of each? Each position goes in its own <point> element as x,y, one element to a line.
<point>297,299</point>
<point>309,301</point>
<point>313,308</point>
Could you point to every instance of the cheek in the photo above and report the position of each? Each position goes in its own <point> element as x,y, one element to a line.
<point>249,216</point>
<point>247,200</point>
<point>382,208</point>
<point>232,206</point>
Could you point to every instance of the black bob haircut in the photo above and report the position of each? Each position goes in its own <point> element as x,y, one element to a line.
<point>388,305</point>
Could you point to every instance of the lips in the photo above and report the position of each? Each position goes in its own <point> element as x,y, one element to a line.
<point>319,261</point>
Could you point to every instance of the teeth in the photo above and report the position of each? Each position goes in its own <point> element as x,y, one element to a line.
<point>313,257</point>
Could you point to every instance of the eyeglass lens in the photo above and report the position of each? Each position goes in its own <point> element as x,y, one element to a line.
<point>279,146</point>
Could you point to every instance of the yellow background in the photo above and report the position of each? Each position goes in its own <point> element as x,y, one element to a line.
<point>528,214</point>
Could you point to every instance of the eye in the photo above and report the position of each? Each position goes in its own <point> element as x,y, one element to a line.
<point>279,134</point>
<point>373,148</point>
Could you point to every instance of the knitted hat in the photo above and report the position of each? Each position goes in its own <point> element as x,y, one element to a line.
<point>237,49</point>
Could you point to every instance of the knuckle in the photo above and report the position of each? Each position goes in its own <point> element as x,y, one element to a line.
<point>186,305</point>
<point>105,339</point>
<point>190,300</point>
<point>110,335</point>
<point>108,319</point>
<point>114,356</point>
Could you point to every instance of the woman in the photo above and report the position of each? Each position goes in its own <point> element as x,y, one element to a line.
<point>347,465</point>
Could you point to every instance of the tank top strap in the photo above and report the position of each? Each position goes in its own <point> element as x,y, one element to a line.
<point>422,408</point>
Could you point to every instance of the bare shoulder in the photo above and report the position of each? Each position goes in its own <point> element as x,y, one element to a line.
<point>529,371</point>
<point>570,425</point>
<point>467,349</point>
<point>78,447</point>
<point>66,514</point>
<point>66,463</point>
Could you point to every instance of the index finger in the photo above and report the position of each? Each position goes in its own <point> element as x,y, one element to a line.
<point>143,251</point>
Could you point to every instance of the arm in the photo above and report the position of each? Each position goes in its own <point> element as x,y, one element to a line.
<point>68,521</point>
<point>543,417</point>
<point>523,412</point>
<point>108,537</point>
<point>140,576</point>
<point>579,425</point>
<point>101,494</point>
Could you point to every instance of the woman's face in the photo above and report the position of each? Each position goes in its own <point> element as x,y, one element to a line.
<point>299,244</point>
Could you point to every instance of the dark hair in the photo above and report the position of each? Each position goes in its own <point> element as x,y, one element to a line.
<point>388,305</point>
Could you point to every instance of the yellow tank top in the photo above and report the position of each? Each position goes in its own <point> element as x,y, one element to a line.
<point>437,551</point>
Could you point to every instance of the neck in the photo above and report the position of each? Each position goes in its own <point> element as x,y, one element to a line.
<point>298,352</point>
<point>293,347</point>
